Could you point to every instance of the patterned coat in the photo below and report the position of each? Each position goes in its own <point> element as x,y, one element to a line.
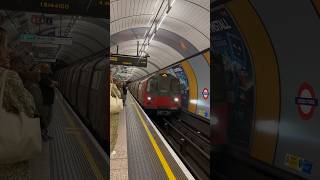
<point>16,99</point>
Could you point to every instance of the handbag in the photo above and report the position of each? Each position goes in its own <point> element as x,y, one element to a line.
<point>116,104</point>
<point>20,135</point>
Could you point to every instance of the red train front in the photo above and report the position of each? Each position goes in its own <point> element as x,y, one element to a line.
<point>160,92</point>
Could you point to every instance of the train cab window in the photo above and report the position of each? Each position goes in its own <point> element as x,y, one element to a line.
<point>152,85</point>
<point>175,86</point>
<point>164,85</point>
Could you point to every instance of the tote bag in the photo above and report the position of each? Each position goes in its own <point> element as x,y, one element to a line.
<point>20,136</point>
<point>116,104</point>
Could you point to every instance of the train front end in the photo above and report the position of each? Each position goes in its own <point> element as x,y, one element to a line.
<point>163,94</point>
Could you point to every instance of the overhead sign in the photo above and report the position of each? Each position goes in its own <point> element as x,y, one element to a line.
<point>45,45</point>
<point>95,8</point>
<point>45,51</point>
<point>118,59</point>
<point>41,19</point>
<point>32,38</point>
<point>306,101</point>
<point>205,93</point>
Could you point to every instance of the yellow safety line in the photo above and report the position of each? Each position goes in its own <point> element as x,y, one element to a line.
<point>83,145</point>
<point>163,161</point>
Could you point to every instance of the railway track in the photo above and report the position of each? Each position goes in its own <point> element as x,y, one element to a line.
<point>191,145</point>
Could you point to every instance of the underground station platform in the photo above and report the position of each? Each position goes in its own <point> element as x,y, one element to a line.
<point>141,152</point>
<point>73,153</point>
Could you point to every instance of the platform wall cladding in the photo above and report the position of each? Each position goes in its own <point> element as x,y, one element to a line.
<point>295,37</point>
<point>274,44</point>
<point>194,76</point>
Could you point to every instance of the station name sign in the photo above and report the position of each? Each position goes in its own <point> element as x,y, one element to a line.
<point>93,8</point>
<point>118,59</point>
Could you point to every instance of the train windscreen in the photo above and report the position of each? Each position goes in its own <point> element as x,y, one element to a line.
<point>152,86</point>
<point>164,84</point>
<point>175,86</point>
<point>168,84</point>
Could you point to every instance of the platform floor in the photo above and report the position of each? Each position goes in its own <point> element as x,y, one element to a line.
<point>119,156</point>
<point>149,155</point>
<point>73,154</point>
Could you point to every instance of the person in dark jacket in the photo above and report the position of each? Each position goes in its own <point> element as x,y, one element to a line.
<point>47,85</point>
<point>124,90</point>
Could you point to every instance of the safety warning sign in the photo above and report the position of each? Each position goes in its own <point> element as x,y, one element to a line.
<point>306,101</point>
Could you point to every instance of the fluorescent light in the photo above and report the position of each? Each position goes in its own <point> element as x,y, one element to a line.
<point>152,37</point>
<point>193,101</point>
<point>176,99</point>
<point>158,26</point>
<point>146,47</point>
<point>172,2</point>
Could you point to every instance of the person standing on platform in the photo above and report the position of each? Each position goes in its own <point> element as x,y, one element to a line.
<point>47,85</point>
<point>30,80</point>
<point>124,89</point>
<point>16,99</point>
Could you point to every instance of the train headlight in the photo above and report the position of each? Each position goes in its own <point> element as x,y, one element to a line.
<point>149,98</point>
<point>176,99</point>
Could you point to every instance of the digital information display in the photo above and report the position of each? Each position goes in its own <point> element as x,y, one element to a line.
<point>94,8</point>
<point>117,59</point>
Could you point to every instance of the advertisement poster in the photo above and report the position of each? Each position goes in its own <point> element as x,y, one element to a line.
<point>238,75</point>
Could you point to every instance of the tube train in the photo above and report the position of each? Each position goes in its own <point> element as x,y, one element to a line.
<point>84,86</point>
<point>159,93</point>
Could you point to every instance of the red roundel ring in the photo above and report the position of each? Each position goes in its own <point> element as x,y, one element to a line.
<point>310,102</point>
<point>205,93</point>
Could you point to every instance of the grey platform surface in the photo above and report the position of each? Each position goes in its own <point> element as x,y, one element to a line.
<point>72,154</point>
<point>143,162</point>
<point>119,156</point>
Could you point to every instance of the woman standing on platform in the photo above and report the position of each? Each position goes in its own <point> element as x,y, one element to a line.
<point>15,99</point>
<point>31,79</point>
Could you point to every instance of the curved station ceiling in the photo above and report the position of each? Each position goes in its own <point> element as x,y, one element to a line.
<point>182,32</point>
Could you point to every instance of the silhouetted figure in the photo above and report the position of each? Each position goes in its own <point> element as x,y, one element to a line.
<point>124,90</point>
<point>47,85</point>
